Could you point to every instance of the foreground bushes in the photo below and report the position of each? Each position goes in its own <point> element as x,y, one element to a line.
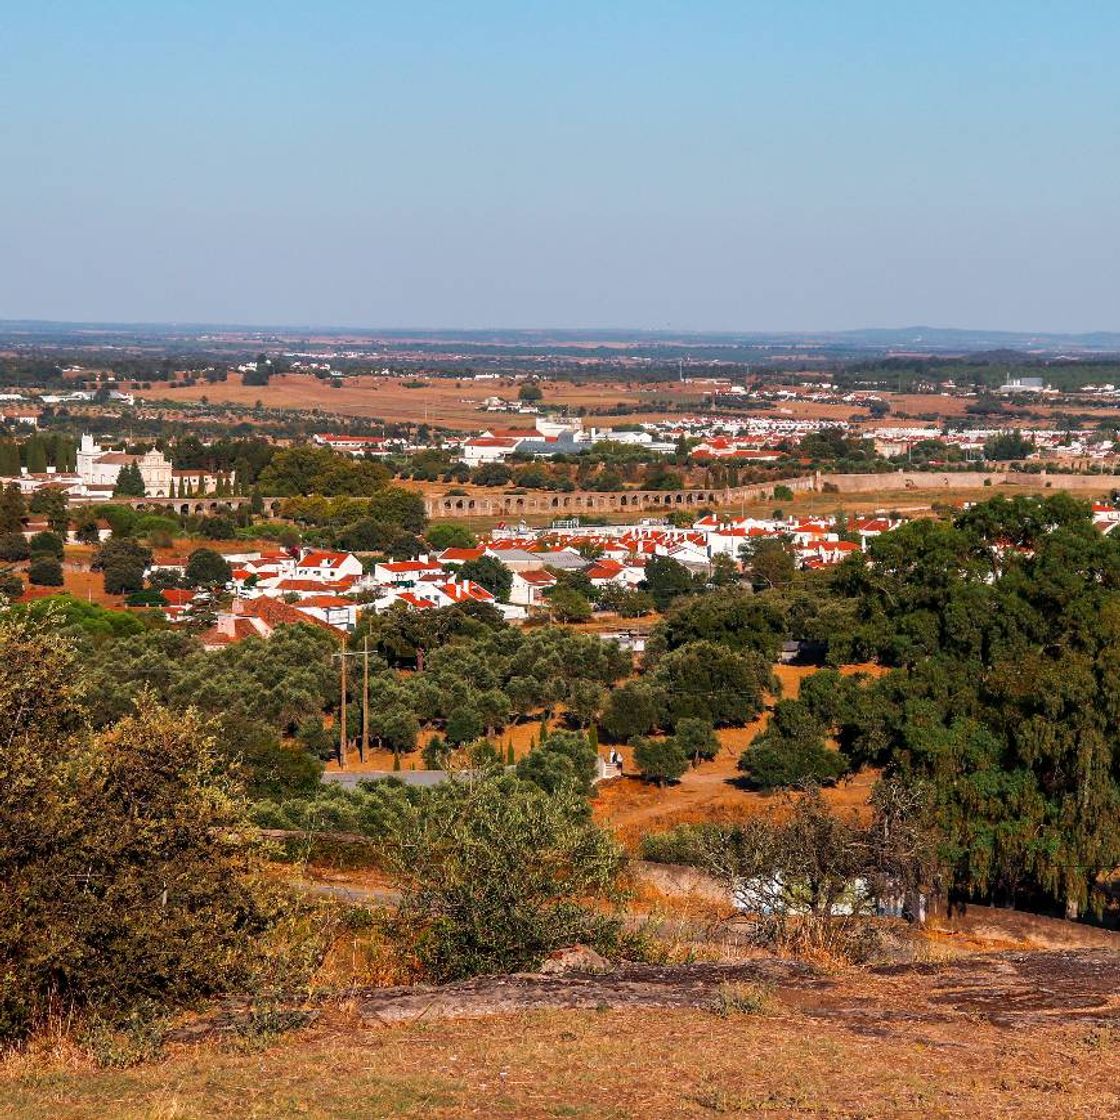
<point>129,875</point>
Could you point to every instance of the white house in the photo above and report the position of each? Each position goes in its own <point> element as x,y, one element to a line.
<point>529,587</point>
<point>328,567</point>
<point>335,611</point>
<point>405,572</point>
<point>488,449</point>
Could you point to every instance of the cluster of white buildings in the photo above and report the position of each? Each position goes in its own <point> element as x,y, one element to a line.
<point>97,470</point>
<point>362,446</point>
<point>551,437</point>
<point>330,588</point>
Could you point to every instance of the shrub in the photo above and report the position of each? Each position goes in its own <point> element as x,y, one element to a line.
<point>48,544</point>
<point>496,874</point>
<point>742,999</point>
<point>45,571</point>
<point>14,547</point>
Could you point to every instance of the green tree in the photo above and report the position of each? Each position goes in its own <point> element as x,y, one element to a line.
<point>445,534</point>
<point>659,760</point>
<point>491,574</point>
<point>36,452</point>
<point>123,563</point>
<point>12,509</point>
<point>585,701</point>
<point>770,562</point>
<point>737,619</point>
<point>9,459</point>
<point>14,547</point>
<point>491,474</point>
<point>207,568</point>
<point>564,759</point>
<point>46,543</point>
<point>86,528</point>
<point>666,579</point>
<point>708,681</point>
<point>1008,445</point>
<point>130,483</point>
<point>142,817</point>
<point>633,709</point>
<point>464,726</point>
<point>696,739</point>
<point>568,605</point>
<point>398,729</point>
<point>52,503</point>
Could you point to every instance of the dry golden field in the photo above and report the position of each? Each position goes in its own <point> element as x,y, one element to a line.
<point>456,404</point>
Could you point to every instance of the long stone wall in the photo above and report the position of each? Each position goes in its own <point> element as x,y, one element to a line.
<point>589,501</point>
<point>968,480</point>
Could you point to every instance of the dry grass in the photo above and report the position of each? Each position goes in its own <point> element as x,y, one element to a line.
<point>608,1066</point>
<point>456,403</point>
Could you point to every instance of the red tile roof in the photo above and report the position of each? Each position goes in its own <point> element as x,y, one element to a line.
<point>322,559</point>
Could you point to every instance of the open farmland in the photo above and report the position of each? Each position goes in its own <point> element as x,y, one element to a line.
<point>438,401</point>
<point>457,404</point>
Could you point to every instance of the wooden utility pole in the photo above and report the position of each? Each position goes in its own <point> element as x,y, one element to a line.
<point>342,710</point>
<point>365,697</point>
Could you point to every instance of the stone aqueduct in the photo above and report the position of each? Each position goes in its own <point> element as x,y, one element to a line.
<point>503,504</point>
<point>589,501</point>
<point>576,502</point>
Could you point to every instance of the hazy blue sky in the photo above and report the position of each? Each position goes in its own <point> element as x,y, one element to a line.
<point>703,164</point>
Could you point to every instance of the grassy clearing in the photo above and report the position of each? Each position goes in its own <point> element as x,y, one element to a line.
<point>609,1065</point>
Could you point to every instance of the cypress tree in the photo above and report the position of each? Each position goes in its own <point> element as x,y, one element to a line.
<point>12,509</point>
<point>130,483</point>
<point>36,450</point>
<point>9,459</point>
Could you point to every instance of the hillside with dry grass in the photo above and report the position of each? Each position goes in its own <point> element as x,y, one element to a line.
<point>1011,1034</point>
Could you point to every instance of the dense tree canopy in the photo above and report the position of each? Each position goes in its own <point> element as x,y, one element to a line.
<point>1004,626</point>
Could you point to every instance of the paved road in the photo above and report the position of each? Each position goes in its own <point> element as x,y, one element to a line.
<point>350,778</point>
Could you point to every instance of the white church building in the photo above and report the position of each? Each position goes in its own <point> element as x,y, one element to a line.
<point>98,468</point>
